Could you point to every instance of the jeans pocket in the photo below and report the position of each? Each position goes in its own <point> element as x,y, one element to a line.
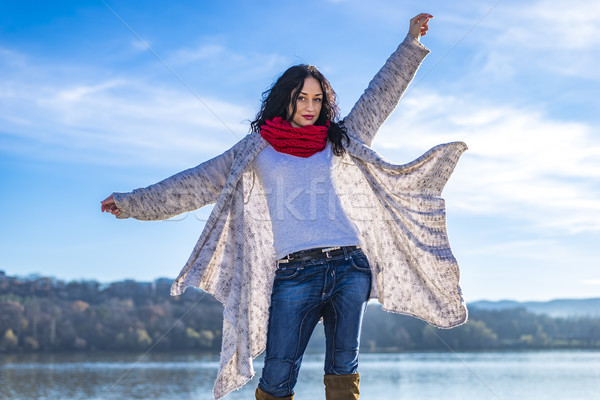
<point>287,272</point>
<point>360,262</point>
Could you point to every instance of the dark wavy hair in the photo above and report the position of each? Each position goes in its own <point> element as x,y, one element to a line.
<point>285,91</point>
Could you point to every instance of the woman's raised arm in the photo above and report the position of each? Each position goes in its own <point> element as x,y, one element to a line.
<point>186,191</point>
<point>385,89</point>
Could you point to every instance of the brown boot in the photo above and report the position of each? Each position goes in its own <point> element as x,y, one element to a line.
<point>260,395</point>
<point>342,387</point>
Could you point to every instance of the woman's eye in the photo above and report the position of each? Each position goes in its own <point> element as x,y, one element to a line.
<point>301,98</point>
<point>318,100</point>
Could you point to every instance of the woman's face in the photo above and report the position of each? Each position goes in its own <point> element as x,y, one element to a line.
<point>308,105</point>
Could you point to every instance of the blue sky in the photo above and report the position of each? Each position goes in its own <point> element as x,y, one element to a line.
<point>86,108</point>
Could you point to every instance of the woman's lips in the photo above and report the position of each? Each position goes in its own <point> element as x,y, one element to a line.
<point>309,117</point>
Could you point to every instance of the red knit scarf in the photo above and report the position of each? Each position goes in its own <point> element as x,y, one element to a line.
<point>300,142</point>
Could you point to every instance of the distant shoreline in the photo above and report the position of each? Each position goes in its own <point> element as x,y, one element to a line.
<point>45,315</point>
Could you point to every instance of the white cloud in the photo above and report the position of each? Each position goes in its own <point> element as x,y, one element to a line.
<point>522,249</point>
<point>238,66</point>
<point>138,46</point>
<point>116,120</point>
<point>520,162</point>
<point>199,53</point>
<point>556,36</point>
<point>553,25</point>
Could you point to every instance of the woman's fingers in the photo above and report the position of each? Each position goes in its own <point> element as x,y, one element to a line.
<point>109,205</point>
<point>418,25</point>
<point>424,28</point>
<point>421,16</point>
<point>114,211</point>
<point>107,202</point>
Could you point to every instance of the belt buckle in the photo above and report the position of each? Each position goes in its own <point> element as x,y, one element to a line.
<point>328,249</point>
<point>284,260</point>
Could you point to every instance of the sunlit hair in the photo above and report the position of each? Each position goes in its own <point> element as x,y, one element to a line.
<point>285,91</point>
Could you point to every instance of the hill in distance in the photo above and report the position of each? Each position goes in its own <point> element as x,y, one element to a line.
<point>554,308</point>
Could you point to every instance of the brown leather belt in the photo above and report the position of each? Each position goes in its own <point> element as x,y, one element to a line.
<point>316,253</point>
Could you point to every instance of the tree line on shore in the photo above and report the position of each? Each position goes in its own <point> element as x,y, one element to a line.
<point>40,314</point>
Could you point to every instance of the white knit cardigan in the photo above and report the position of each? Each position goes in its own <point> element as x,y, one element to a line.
<point>397,209</point>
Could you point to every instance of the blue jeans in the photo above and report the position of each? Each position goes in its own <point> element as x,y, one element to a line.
<point>336,289</point>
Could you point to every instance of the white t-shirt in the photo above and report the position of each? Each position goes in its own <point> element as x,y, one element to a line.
<point>304,208</point>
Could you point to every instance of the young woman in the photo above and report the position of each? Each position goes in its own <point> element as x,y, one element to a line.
<point>343,226</point>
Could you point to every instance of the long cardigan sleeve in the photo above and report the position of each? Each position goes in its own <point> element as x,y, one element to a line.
<point>385,90</point>
<point>185,191</point>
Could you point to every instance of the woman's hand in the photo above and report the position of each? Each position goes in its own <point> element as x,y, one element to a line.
<point>418,25</point>
<point>110,206</point>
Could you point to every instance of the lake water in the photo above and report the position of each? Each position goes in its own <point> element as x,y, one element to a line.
<point>552,375</point>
